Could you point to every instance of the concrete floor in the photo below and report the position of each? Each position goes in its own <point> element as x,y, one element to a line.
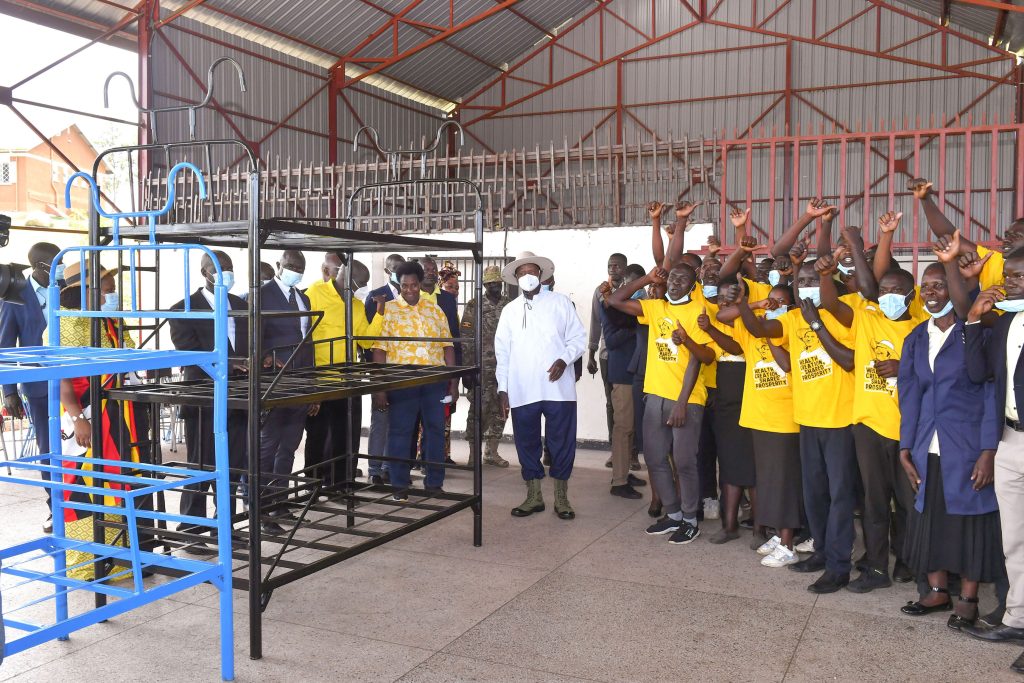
<point>544,600</point>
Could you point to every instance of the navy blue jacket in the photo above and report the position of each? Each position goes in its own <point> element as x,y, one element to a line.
<point>23,325</point>
<point>283,334</point>
<point>964,413</point>
<point>619,332</point>
<point>638,363</point>
<point>371,308</point>
<point>986,361</point>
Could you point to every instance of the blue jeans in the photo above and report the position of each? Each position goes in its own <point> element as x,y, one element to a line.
<point>404,406</point>
<point>560,435</point>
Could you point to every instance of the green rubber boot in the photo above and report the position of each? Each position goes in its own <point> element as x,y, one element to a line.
<point>534,500</point>
<point>562,507</point>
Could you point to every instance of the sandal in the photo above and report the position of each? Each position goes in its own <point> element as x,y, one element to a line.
<point>957,622</point>
<point>916,609</point>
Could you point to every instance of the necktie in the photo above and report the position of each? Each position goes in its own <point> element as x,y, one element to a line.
<point>291,298</point>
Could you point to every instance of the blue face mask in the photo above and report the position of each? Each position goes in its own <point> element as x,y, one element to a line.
<point>893,305</point>
<point>812,293</point>
<point>545,288</point>
<point>777,313</point>
<point>638,294</point>
<point>710,291</point>
<point>58,273</point>
<point>1011,305</point>
<point>394,278</point>
<point>945,310</point>
<point>290,278</point>
<point>228,278</point>
<point>774,277</point>
<point>111,302</point>
<point>844,270</point>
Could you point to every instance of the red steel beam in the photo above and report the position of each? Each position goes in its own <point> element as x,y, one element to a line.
<point>381,30</point>
<point>395,59</point>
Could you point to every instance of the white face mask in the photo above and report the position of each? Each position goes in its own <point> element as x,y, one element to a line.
<point>290,278</point>
<point>1011,305</point>
<point>528,282</point>
<point>676,302</point>
<point>812,293</point>
<point>111,302</point>
<point>942,313</point>
<point>776,313</point>
<point>774,277</point>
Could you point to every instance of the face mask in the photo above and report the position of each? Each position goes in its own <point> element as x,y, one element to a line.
<point>638,294</point>
<point>545,288</point>
<point>394,278</point>
<point>58,273</point>
<point>290,278</point>
<point>893,305</point>
<point>710,291</point>
<point>844,270</point>
<point>1011,305</point>
<point>111,302</point>
<point>945,310</point>
<point>529,282</point>
<point>676,302</point>
<point>227,277</point>
<point>777,313</point>
<point>774,277</point>
<point>812,293</point>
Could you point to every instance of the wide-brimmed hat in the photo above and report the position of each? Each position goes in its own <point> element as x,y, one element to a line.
<point>547,268</point>
<point>72,276</point>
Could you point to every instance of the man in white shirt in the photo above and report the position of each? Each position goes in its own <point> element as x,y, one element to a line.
<point>539,335</point>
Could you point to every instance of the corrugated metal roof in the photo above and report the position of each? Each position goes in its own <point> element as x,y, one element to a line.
<point>325,30</point>
<point>981,21</point>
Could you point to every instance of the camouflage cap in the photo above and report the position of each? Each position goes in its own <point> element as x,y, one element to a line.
<point>492,274</point>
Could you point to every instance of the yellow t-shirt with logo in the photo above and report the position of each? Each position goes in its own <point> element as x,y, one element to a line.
<point>822,390</point>
<point>757,291</point>
<point>709,372</point>
<point>992,272</point>
<point>666,362</point>
<point>768,391</point>
<point>875,398</point>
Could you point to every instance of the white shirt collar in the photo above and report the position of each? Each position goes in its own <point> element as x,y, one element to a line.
<point>40,290</point>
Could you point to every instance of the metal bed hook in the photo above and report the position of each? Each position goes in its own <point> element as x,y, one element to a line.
<point>191,108</point>
<point>151,215</point>
<point>392,155</point>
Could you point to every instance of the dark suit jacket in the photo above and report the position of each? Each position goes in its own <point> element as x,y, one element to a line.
<point>283,334</point>
<point>371,308</point>
<point>962,412</point>
<point>986,360</point>
<point>197,335</point>
<point>23,325</point>
<point>619,332</point>
<point>449,305</point>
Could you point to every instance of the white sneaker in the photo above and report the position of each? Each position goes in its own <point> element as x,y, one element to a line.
<point>770,545</point>
<point>780,557</point>
<point>805,547</point>
<point>711,509</point>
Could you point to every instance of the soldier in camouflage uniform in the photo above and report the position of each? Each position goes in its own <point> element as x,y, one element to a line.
<point>493,419</point>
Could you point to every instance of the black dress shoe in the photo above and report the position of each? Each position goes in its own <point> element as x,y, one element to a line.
<point>626,491</point>
<point>1018,664</point>
<point>999,634</point>
<point>993,618</point>
<point>272,529</point>
<point>869,580</point>
<point>635,481</point>
<point>916,609</point>
<point>829,583</point>
<point>901,573</point>
<point>813,564</point>
<point>376,479</point>
<point>959,623</point>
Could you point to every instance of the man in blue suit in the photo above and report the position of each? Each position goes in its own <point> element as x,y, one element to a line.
<point>23,325</point>
<point>378,441</point>
<point>282,428</point>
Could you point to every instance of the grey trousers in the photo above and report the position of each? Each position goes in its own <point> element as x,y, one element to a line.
<point>662,441</point>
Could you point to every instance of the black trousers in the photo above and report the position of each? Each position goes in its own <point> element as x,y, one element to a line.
<point>200,452</point>
<point>829,467</point>
<point>882,476</point>
<point>707,450</point>
<point>330,434</point>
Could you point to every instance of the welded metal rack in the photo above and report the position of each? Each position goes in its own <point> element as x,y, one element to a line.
<point>330,524</point>
<point>37,571</point>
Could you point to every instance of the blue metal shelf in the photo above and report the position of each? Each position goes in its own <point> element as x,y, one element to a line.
<point>36,571</point>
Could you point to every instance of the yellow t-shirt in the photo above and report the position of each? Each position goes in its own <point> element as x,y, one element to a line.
<point>709,372</point>
<point>992,272</point>
<point>768,391</point>
<point>757,291</point>
<point>666,362</point>
<point>822,390</point>
<point>324,297</point>
<point>875,398</point>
